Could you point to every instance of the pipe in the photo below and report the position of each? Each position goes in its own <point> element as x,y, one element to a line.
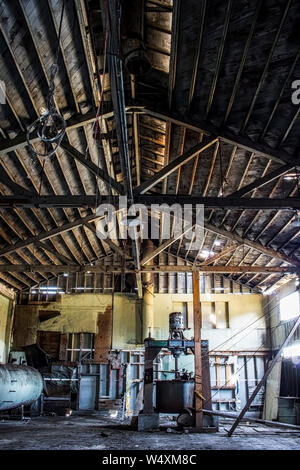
<point>19,385</point>
<point>148,293</point>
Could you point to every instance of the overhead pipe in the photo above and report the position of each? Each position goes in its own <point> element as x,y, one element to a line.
<point>148,293</point>
<point>19,385</point>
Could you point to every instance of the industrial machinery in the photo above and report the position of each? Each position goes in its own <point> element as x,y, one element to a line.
<point>177,395</point>
<point>19,385</point>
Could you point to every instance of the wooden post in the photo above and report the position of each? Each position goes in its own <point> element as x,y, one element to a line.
<point>263,380</point>
<point>197,351</point>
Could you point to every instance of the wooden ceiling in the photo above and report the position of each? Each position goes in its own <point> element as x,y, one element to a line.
<point>222,71</point>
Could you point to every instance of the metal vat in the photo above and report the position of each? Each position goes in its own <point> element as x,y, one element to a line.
<point>19,385</point>
<point>173,396</point>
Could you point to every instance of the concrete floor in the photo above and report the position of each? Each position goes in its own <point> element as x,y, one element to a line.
<point>95,431</point>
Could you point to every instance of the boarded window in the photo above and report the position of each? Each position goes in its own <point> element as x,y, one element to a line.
<point>222,314</point>
<point>80,346</point>
<point>49,341</point>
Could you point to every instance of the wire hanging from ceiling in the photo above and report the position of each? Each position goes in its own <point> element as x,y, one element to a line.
<point>50,127</point>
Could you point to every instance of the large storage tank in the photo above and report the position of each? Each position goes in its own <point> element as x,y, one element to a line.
<point>19,385</point>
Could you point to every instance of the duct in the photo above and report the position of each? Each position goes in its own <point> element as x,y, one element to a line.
<point>19,385</point>
<point>133,48</point>
<point>148,293</point>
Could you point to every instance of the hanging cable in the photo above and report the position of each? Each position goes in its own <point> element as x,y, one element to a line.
<point>244,365</point>
<point>50,127</point>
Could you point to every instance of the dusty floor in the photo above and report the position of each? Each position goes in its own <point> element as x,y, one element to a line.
<point>94,431</point>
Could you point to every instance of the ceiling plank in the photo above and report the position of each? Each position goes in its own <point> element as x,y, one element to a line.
<point>243,141</point>
<point>96,170</point>
<point>258,183</point>
<point>174,165</point>
<point>251,244</point>
<point>217,256</point>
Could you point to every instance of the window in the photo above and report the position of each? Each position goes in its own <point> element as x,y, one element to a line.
<point>215,315</point>
<point>289,306</point>
<point>80,346</point>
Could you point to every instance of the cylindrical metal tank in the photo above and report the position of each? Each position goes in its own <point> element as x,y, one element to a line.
<point>19,385</point>
<point>176,321</point>
<point>173,396</point>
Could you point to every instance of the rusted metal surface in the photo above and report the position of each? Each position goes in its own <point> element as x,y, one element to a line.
<point>103,337</point>
<point>173,396</point>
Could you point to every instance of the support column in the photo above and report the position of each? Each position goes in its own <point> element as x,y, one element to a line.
<point>148,293</point>
<point>197,351</point>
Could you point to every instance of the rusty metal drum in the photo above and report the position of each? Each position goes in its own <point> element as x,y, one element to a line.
<point>173,396</point>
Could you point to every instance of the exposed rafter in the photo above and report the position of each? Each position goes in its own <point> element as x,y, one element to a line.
<point>89,201</point>
<point>7,268</point>
<point>173,165</point>
<point>244,142</point>
<point>98,172</point>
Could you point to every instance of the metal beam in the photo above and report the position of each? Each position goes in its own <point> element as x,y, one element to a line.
<point>147,269</point>
<point>17,189</point>
<point>197,125</point>
<point>251,244</point>
<point>173,166</point>
<point>54,252</point>
<point>76,121</point>
<point>112,13</point>
<point>47,234</point>
<point>224,252</point>
<point>115,248</point>
<point>263,180</point>
<point>96,170</point>
<point>162,247</point>
<point>88,201</point>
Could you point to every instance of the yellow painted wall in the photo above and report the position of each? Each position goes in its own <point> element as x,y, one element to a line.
<point>79,314</point>
<point>243,310</point>
<point>6,311</point>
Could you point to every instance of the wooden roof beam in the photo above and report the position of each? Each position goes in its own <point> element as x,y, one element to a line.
<point>174,165</point>
<point>15,268</point>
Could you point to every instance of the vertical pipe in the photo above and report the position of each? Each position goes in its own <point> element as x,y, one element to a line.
<point>197,351</point>
<point>148,293</point>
